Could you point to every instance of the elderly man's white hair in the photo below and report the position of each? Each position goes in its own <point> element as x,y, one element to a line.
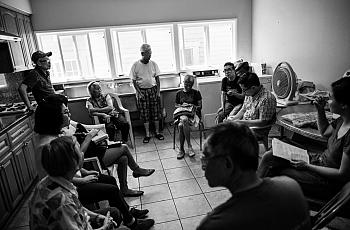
<point>145,47</point>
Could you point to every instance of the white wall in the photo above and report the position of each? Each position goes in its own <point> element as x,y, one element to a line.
<point>19,5</point>
<point>312,35</point>
<point>64,14</point>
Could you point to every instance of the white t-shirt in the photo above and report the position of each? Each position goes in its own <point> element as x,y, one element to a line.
<point>144,74</point>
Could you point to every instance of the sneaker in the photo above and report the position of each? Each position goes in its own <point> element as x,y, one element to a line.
<point>138,214</point>
<point>191,152</point>
<point>180,155</point>
<point>142,224</point>
<point>142,172</point>
<point>132,193</point>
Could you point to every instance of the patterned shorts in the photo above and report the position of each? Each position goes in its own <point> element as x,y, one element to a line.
<point>149,107</point>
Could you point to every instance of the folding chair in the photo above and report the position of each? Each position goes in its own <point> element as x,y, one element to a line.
<point>200,128</point>
<point>333,208</point>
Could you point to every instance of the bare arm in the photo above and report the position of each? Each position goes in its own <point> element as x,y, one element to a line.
<point>253,123</point>
<point>322,122</point>
<point>223,97</point>
<point>158,85</point>
<point>22,89</point>
<point>238,115</point>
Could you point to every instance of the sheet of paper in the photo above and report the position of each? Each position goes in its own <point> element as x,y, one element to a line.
<point>288,152</point>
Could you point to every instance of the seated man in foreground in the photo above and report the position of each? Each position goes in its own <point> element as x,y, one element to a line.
<point>231,160</point>
<point>259,106</point>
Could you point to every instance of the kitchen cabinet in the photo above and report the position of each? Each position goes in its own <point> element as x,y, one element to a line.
<point>17,166</point>
<point>20,25</point>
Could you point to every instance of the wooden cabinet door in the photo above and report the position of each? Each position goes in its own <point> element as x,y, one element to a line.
<point>32,42</point>
<point>10,24</point>
<point>24,42</point>
<point>29,153</point>
<point>11,182</point>
<point>4,205</point>
<point>22,167</point>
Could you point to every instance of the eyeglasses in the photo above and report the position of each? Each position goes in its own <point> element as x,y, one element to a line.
<point>227,70</point>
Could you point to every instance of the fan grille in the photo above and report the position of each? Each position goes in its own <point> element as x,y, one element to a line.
<point>281,83</point>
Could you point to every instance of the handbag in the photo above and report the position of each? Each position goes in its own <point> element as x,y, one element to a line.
<point>94,149</point>
<point>188,111</point>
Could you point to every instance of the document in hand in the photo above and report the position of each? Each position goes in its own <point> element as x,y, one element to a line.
<point>100,136</point>
<point>289,152</point>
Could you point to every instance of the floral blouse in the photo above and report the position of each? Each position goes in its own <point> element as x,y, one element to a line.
<point>55,205</point>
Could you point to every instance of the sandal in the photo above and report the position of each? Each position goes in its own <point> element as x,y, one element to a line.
<point>159,136</point>
<point>146,140</point>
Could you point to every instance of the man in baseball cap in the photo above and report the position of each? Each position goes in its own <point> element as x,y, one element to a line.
<point>37,79</point>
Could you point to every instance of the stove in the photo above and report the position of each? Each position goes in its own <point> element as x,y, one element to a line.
<point>12,108</point>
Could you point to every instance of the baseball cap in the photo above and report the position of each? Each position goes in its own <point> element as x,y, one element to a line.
<point>40,54</point>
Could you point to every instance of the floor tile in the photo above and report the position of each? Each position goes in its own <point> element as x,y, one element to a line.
<point>155,164</point>
<point>191,223</point>
<point>133,183</point>
<point>20,228</point>
<point>164,145</point>
<point>170,163</point>
<point>218,197</point>
<point>133,201</point>
<point>167,153</point>
<point>197,170</point>
<point>203,183</point>
<point>171,225</point>
<point>146,147</point>
<point>147,156</point>
<point>193,160</point>
<point>155,193</point>
<point>184,188</point>
<point>158,177</point>
<point>177,174</point>
<point>162,211</point>
<point>21,218</point>
<point>192,206</point>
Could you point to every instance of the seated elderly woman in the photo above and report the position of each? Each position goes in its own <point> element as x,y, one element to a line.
<point>188,97</point>
<point>327,171</point>
<point>101,105</point>
<point>52,119</point>
<point>54,204</point>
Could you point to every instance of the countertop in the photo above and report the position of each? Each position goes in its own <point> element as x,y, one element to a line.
<point>7,122</point>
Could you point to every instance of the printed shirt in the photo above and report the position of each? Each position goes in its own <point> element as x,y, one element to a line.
<point>39,82</point>
<point>261,106</point>
<point>55,205</point>
<point>227,85</point>
<point>144,74</point>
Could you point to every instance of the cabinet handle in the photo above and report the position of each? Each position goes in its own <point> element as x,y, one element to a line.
<point>26,143</point>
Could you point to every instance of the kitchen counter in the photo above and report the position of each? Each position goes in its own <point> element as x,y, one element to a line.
<point>7,122</point>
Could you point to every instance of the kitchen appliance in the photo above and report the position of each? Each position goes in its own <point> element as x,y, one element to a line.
<point>284,84</point>
<point>5,53</point>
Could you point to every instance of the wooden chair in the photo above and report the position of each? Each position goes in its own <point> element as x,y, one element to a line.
<point>339,205</point>
<point>126,114</point>
<point>200,128</point>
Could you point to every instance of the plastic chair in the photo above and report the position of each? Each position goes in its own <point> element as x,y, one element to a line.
<point>332,208</point>
<point>126,114</point>
<point>264,138</point>
<point>200,128</point>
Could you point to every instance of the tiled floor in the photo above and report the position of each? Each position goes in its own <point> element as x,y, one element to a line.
<point>177,194</point>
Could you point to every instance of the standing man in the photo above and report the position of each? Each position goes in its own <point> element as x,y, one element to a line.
<point>145,77</point>
<point>231,160</point>
<point>231,93</point>
<point>38,79</point>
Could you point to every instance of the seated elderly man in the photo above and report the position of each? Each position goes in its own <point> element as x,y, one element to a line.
<point>259,106</point>
<point>231,160</point>
<point>101,105</point>
<point>188,98</point>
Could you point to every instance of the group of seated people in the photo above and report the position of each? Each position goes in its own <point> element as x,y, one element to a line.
<point>265,195</point>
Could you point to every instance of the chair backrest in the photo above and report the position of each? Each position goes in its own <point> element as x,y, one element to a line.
<point>331,209</point>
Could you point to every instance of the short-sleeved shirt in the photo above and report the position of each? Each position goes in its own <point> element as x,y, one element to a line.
<point>227,85</point>
<point>332,156</point>
<point>144,74</point>
<point>277,203</point>
<point>261,106</point>
<point>39,82</point>
<point>191,97</point>
<point>55,205</point>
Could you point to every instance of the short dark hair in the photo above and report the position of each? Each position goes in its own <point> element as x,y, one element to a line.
<point>59,156</point>
<point>48,115</point>
<point>341,89</point>
<point>236,141</point>
<point>230,64</point>
<point>249,79</point>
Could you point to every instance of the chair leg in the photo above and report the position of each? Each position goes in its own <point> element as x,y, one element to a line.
<point>200,136</point>
<point>132,140</point>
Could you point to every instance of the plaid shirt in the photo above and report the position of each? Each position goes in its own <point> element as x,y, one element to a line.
<point>261,106</point>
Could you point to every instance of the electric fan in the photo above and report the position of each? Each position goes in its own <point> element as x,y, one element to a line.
<point>284,84</point>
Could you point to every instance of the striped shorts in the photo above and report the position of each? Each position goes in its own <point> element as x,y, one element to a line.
<point>149,107</point>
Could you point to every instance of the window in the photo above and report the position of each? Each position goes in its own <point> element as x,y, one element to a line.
<point>209,43</point>
<point>127,42</point>
<point>89,54</point>
<point>76,55</point>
